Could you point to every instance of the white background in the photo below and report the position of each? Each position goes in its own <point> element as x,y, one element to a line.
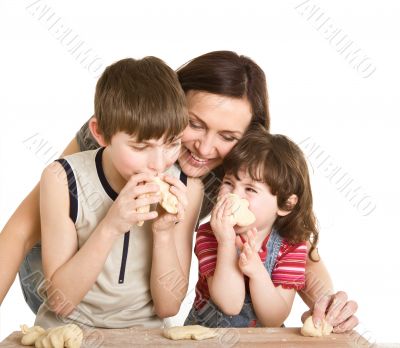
<point>314,93</point>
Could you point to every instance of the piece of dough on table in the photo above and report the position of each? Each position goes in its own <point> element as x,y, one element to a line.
<point>194,332</point>
<point>310,330</point>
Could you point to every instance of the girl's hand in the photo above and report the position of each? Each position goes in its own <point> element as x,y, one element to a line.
<point>249,261</point>
<point>167,221</point>
<point>122,214</point>
<point>221,221</point>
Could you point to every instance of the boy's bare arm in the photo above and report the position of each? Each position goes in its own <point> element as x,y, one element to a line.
<point>172,253</point>
<point>21,233</point>
<point>71,273</point>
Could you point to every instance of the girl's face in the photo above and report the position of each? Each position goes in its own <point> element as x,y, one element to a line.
<point>262,202</point>
<point>216,123</point>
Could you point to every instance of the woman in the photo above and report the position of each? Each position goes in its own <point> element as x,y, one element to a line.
<point>225,93</point>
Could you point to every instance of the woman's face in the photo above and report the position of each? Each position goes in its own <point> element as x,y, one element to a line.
<point>216,123</point>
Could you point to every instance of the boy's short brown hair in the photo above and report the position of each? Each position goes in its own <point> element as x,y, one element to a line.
<point>142,98</point>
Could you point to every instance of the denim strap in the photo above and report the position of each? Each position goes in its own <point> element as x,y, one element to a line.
<point>273,247</point>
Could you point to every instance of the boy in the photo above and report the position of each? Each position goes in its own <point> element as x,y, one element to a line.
<point>96,260</point>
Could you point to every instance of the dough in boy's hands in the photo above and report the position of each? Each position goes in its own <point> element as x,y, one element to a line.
<point>168,201</point>
<point>241,215</point>
<point>309,329</point>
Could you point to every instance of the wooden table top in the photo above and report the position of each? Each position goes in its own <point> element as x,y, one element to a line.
<point>244,337</point>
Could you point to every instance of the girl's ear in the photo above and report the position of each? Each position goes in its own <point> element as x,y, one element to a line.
<point>290,203</point>
<point>96,132</point>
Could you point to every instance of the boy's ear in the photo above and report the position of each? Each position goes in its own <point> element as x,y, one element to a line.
<point>290,203</point>
<point>96,132</point>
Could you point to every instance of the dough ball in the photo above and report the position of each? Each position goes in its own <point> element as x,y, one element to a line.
<point>241,215</point>
<point>310,330</point>
<point>194,332</point>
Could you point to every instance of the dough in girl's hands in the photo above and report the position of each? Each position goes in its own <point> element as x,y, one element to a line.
<point>309,329</point>
<point>69,336</point>
<point>168,201</point>
<point>194,332</point>
<point>241,215</point>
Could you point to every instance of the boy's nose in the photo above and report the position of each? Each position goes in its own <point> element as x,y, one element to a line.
<point>157,163</point>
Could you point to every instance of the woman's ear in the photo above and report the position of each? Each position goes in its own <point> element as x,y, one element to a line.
<point>96,132</point>
<point>290,203</point>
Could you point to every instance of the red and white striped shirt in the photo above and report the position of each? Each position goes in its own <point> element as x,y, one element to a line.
<point>289,270</point>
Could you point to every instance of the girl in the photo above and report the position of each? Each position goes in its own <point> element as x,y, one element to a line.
<point>248,276</point>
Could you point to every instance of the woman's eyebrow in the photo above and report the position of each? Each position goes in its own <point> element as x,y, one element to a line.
<point>197,117</point>
<point>223,131</point>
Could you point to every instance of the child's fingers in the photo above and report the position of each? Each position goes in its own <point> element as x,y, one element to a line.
<point>148,188</point>
<point>175,182</point>
<point>243,260</point>
<point>227,208</point>
<point>247,249</point>
<point>239,243</point>
<point>146,200</point>
<point>135,180</point>
<point>180,195</point>
<point>146,216</point>
<point>219,208</point>
<point>251,238</point>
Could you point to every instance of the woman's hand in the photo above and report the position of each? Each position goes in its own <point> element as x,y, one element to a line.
<point>221,221</point>
<point>337,310</point>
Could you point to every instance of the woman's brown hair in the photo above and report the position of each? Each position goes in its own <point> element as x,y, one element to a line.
<point>228,74</point>
<point>278,162</point>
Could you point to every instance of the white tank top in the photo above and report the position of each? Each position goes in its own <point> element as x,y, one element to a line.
<point>121,296</point>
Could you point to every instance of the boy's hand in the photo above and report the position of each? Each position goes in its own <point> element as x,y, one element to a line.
<point>167,221</point>
<point>122,214</point>
<point>249,260</point>
<point>221,220</point>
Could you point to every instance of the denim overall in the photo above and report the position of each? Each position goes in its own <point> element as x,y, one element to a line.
<point>211,316</point>
<point>31,276</point>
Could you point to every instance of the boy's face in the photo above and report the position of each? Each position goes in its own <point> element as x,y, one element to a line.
<point>263,204</point>
<point>153,156</point>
